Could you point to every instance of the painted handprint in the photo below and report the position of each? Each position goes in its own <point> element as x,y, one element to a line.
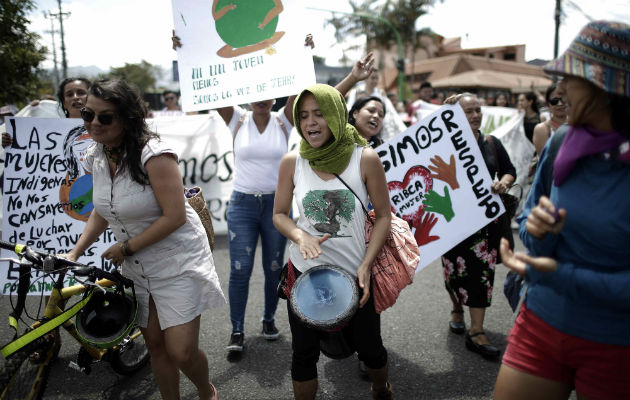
<point>445,172</point>
<point>439,204</point>
<point>423,231</point>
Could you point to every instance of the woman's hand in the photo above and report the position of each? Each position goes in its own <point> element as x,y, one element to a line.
<point>499,187</point>
<point>176,41</point>
<point>545,218</point>
<point>6,139</point>
<point>363,275</point>
<point>68,256</point>
<point>362,69</point>
<point>308,41</point>
<point>114,254</point>
<point>310,245</point>
<point>452,100</point>
<point>517,262</point>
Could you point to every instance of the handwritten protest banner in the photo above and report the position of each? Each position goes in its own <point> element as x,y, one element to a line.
<point>240,51</point>
<point>47,194</point>
<point>438,181</point>
<point>492,117</point>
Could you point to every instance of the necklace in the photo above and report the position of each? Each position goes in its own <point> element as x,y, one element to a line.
<point>113,153</point>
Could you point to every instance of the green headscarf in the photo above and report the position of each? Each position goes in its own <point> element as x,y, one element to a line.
<point>334,156</point>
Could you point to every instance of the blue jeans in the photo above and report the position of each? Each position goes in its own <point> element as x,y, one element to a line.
<point>250,216</point>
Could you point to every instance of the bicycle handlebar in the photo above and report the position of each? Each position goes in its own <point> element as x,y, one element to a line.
<point>41,259</point>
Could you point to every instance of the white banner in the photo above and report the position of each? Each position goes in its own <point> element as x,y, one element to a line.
<point>47,194</point>
<point>438,181</point>
<point>235,52</point>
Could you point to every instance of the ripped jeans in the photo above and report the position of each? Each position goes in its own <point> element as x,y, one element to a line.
<point>248,217</point>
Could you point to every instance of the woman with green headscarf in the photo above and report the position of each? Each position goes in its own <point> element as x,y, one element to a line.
<point>331,226</point>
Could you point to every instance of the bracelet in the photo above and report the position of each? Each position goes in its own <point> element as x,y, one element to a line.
<point>125,250</point>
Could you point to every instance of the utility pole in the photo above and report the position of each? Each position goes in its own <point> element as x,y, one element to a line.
<point>61,15</point>
<point>557,37</point>
<point>52,32</point>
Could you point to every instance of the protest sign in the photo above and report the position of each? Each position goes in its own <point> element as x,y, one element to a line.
<point>204,146</point>
<point>494,117</point>
<point>236,51</point>
<point>438,181</point>
<point>47,195</point>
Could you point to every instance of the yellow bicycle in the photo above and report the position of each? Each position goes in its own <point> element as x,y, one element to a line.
<point>102,320</point>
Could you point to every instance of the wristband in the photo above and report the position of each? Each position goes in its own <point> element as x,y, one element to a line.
<point>125,250</point>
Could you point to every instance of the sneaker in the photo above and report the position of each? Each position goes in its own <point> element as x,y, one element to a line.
<point>269,330</point>
<point>236,342</point>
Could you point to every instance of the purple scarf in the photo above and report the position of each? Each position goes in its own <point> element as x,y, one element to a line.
<point>583,141</point>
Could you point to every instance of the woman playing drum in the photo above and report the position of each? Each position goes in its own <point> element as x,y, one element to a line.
<point>331,227</point>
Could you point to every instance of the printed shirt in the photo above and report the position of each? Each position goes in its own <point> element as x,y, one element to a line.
<point>328,206</point>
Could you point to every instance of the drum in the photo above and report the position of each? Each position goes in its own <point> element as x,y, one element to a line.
<point>325,298</point>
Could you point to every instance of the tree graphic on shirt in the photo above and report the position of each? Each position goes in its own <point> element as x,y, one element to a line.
<point>326,208</point>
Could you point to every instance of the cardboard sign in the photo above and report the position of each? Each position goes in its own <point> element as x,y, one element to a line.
<point>438,181</point>
<point>240,51</point>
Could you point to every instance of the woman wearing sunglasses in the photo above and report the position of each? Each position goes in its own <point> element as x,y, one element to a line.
<point>161,243</point>
<point>558,111</point>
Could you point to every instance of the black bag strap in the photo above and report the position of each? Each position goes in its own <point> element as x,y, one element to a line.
<point>355,195</point>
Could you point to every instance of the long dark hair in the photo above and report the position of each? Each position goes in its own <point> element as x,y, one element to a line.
<point>359,104</point>
<point>62,87</point>
<point>131,111</point>
<point>531,96</point>
<point>550,90</point>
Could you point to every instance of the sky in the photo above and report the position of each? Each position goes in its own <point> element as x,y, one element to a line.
<point>110,33</point>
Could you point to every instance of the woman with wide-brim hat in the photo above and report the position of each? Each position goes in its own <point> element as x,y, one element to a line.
<point>573,329</point>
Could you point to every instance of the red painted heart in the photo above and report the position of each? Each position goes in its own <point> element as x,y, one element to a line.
<point>406,196</point>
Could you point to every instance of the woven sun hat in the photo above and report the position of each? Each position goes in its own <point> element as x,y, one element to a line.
<point>600,54</point>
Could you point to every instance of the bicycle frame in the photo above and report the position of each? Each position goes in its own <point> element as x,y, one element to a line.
<point>29,356</point>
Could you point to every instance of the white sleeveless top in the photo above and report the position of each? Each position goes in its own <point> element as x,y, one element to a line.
<point>257,155</point>
<point>330,207</point>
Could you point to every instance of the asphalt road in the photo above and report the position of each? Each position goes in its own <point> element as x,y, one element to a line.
<point>426,360</point>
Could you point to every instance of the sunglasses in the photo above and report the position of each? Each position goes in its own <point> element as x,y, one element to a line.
<point>554,101</point>
<point>103,119</point>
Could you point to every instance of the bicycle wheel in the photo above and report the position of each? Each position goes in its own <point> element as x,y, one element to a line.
<point>25,374</point>
<point>131,354</point>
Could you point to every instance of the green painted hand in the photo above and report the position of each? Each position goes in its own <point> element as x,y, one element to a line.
<point>439,204</point>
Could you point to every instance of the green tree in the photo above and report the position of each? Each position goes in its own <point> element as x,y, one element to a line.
<point>142,75</point>
<point>402,14</point>
<point>20,54</point>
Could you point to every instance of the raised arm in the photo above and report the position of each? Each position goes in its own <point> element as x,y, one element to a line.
<point>288,109</point>
<point>361,70</point>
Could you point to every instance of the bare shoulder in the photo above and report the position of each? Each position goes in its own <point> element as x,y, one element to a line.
<point>290,156</point>
<point>371,166</point>
<point>287,164</point>
<point>370,157</point>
